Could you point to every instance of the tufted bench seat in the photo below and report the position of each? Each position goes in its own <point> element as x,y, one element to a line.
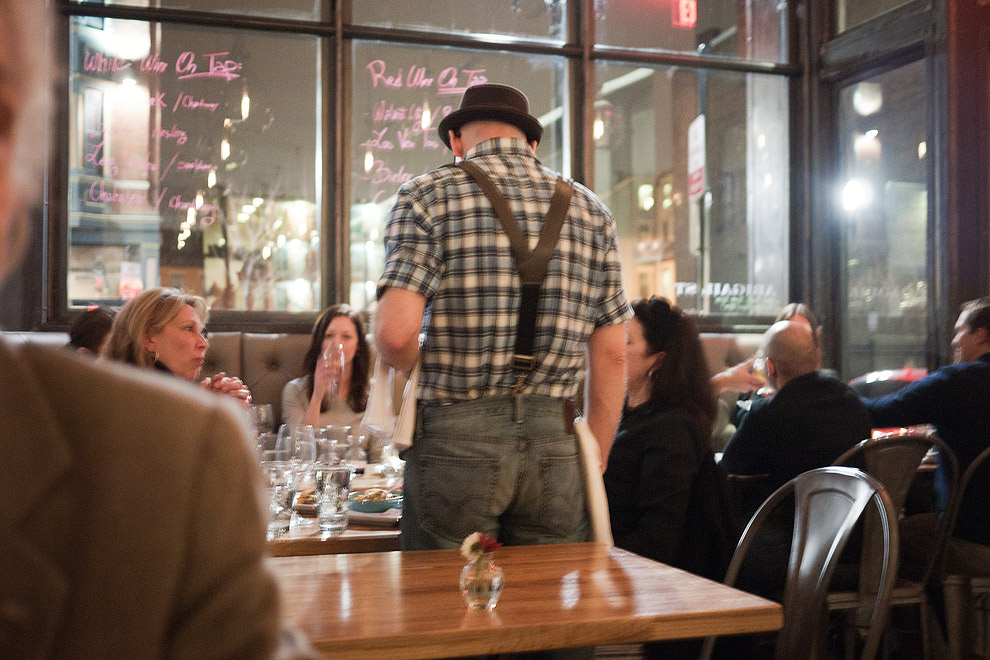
<point>267,361</point>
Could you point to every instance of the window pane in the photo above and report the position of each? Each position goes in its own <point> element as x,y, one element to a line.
<point>193,162</point>
<point>294,9</point>
<point>545,19</point>
<point>850,13</point>
<point>885,215</point>
<point>399,90</point>
<point>753,30</point>
<point>694,166</point>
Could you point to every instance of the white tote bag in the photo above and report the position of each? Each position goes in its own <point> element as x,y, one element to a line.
<point>594,487</point>
<point>380,418</point>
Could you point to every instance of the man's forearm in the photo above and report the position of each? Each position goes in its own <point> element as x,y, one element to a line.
<point>605,389</point>
<point>398,321</point>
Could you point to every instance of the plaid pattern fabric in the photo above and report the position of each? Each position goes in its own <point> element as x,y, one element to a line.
<point>443,241</point>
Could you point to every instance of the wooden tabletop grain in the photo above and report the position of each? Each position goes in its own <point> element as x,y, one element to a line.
<point>407,605</point>
<point>311,541</point>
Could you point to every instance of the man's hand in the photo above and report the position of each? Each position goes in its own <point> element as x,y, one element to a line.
<point>737,379</point>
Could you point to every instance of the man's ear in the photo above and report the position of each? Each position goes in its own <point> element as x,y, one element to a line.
<point>982,335</point>
<point>456,145</point>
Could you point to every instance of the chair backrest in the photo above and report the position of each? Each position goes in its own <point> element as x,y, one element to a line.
<point>827,503</point>
<point>895,461</point>
<point>955,500</point>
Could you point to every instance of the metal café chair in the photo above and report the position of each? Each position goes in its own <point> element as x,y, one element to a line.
<point>960,589</point>
<point>895,460</point>
<point>827,504</point>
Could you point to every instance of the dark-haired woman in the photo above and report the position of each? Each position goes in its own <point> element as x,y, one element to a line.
<point>90,332</point>
<point>661,477</point>
<point>334,390</point>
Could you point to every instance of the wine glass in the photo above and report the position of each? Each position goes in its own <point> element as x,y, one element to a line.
<point>263,417</point>
<point>298,442</point>
<point>760,371</point>
<point>336,354</point>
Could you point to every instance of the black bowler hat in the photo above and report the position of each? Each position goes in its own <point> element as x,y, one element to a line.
<point>493,102</point>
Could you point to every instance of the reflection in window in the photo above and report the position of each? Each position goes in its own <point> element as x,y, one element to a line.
<point>752,30</point>
<point>850,13</point>
<point>399,96</point>
<point>543,19</point>
<point>193,164</point>
<point>297,9</point>
<point>884,209</point>
<point>694,166</point>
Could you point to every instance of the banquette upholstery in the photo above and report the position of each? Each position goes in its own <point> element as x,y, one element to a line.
<point>267,361</point>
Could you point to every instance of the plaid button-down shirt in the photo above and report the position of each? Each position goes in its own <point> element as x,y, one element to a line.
<point>443,241</point>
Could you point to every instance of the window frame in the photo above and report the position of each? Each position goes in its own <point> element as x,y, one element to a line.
<point>580,52</point>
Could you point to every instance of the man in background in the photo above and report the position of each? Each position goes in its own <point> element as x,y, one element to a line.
<point>810,421</point>
<point>956,400</point>
<point>493,454</point>
<point>131,524</point>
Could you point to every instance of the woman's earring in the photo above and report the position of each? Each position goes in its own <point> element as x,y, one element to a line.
<point>157,356</point>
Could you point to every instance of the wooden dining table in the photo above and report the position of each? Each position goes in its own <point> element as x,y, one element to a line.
<point>408,605</point>
<point>309,540</point>
<point>360,535</point>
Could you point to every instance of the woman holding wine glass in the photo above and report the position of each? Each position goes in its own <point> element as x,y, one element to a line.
<point>334,390</point>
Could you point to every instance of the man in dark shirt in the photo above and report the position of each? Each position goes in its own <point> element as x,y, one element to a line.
<point>956,400</point>
<point>807,424</point>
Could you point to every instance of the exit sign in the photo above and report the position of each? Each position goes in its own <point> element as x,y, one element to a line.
<point>684,13</point>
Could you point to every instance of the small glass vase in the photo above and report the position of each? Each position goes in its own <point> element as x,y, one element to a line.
<point>481,583</point>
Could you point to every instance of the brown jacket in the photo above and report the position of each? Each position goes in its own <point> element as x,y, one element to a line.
<point>130,524</point>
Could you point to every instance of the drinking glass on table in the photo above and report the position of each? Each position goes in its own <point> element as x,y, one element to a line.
<point>280,487</point>
<point>263,418</point>
<point>333,488</point>
<point>299,443</point>
<point>340,442</point>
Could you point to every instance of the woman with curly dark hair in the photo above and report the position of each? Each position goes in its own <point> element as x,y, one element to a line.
<point>337,367</point>
<point>664,490</point>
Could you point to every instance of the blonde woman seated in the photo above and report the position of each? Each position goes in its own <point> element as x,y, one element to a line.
<point>337,367</point>
<point>163,329</point>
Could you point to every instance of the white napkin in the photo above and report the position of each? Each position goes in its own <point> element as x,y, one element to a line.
<point>405,425</point>
<point>380,418</point>
<point>594,487</point>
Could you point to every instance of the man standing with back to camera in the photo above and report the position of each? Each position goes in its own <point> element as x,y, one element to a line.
<point>494,449</point>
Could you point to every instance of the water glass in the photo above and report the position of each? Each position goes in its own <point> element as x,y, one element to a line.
<point>331,440</point>
<point>298,440</point>
<point>333,483</point>
<point>263,418</point>
<point>280,488</point>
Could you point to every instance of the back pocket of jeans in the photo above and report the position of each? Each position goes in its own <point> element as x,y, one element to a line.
<point>563,506</point>
<point>456,495</point>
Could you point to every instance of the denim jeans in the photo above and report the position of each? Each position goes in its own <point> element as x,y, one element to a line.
<point>474,467</point>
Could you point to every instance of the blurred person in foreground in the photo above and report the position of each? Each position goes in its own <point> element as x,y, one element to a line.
<point>495,449</point>
<point>338,372</point>
<point>162,329</point>
<point>127,530</point>
<point>90,332</point>
<point>956,400</point>
<point>666,496</point>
